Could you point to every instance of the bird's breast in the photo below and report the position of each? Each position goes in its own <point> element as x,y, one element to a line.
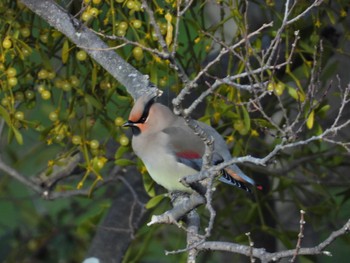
<point>161,162</point>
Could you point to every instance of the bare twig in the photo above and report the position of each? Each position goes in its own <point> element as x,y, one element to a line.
<point>265,256</point>
<point>251,245</point>
<point>300,235</point>
<point>19,177</point>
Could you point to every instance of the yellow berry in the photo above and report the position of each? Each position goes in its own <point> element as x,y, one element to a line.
<point>86,16</point>
<point>7,43</point>
<point>51,74</point>
<point>66,86</point>
<point>81,55</point>
<point>94,144</point>
<point>138,53</point>
<point>44,37</point>
<point>41,88</point>
<point>123,140</point>
<point>119,121</point>
<point>43,74</point>
<point>123,26</point>
<point>76,139</point>
<point>5,101</point>
<point>74,81</point>
<point>279,88</point>
<point>11,72</point>
<point>45,95</point>
<point>53,116</point>
<point>25,32</point>
<point>120,32</point>
<point>130,4</point>
<point>29,94</point>
<point>93,11</point>
<point>136,23</point>
<point>19,115</point>
<point>12,81</point>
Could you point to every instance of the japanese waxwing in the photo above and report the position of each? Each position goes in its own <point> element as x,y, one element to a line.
<point>171,150</point>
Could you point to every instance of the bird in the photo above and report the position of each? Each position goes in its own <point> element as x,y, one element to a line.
<point>170,150</point>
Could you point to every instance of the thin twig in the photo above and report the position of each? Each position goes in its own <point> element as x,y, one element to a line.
<point>300,235</point>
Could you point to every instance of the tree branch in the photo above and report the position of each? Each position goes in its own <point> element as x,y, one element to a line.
<point>265,256</point>
<point>79,34</point>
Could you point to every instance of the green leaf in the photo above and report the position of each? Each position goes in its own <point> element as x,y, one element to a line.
<point>310,120</point>
<point>296,94</point>
<point>5,115</point>
<point>65,52</point>
<point>124,162</point>
<point>13,130</point>
<point>323,110</point>
<point>148,183</point>
<point>246,119</point>
<point>45,60</point>
<point>120,152</point>
<point>94,102</point>
<point>308,48</point>
<point>93,77</point>
<point>155,201</point>
<point>262,123</point>
<point>331,16</point>
<point>318,129</point>
<point>18,135</point>
<point>293,93</point>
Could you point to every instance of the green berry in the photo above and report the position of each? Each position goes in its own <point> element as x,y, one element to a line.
<point>94,144</point>
<point>53,116</point>
<point>76,139</point>
<point>11,72</point>
<point>137,53</point>
<point>86,16</point>
<point>25,32</point>
<point>81,55</point>
<point>19,115</point>
<point>136,23</point>
<point>130,4</point>
<point>12,81</point>
<point>7,43</point>
<point>123,140</point>
<point>43,74</point>
<point>119,121</point>
<point>19,96</point>
<point>29,94</point>
<point>45,95</point>
<point>123,26</point>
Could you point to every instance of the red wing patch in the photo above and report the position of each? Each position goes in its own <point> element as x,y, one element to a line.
<point>188,155</point>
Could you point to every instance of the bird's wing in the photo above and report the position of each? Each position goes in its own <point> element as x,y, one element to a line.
<point>189,150</point>
<point>186,146</point>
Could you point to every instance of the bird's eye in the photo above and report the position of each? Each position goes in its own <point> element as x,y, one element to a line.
<point>143,119</point>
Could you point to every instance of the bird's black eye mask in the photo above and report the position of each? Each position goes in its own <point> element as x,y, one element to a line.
<point>145,112</point>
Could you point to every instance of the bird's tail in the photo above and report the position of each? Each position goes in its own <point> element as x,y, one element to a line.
<point>234,176</point>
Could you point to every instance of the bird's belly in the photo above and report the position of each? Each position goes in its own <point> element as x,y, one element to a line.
<point>167,172</point>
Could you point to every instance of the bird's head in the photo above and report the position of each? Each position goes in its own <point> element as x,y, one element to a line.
<point>147,116</point>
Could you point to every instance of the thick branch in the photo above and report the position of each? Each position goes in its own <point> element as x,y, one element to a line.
<point>180,209</point>
<point>57,17</point>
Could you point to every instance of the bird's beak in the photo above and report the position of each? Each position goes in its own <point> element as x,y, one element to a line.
<point>128,124</point>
